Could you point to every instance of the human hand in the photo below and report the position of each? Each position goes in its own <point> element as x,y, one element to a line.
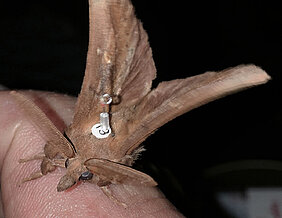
<point>39,198</point>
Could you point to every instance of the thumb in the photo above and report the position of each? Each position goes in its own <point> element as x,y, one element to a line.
<point>39,198</point>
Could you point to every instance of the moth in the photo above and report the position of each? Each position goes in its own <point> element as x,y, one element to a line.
<point>117,84</point>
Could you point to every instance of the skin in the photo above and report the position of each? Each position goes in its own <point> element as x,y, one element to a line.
<point>39,198</point>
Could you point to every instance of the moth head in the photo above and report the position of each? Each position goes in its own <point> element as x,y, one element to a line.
<point>75,172</point>
<point>66,182</point>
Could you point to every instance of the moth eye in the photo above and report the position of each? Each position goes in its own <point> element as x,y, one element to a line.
<point>86,176</point>
<point>67,163</point>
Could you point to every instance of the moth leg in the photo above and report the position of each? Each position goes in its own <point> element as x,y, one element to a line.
<point>59,163</point>
<point>45,167</point>
<point>106,190</point>
<point>32,176</point>
<point>39,156</point>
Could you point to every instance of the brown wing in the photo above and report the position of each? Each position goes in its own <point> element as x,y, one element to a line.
<point>117,173</point>
<point>173,98</point>
<point>46,129</point>
<point>119,60</point>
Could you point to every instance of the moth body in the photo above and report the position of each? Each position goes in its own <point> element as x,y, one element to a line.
<point>120,64</point>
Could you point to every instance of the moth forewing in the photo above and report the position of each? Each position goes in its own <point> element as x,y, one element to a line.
<point>57,143</point>
<point>121,63</point>
<point>118,173</point>
<point>173,98</point>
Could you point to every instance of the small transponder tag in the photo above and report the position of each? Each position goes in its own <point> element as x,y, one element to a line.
<point>98,132</point>
<point>103,130</point>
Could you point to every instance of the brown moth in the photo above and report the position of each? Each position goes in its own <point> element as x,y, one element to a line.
<point>120,69</point>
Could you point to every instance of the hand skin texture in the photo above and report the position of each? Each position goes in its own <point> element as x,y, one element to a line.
<point>39,198</point>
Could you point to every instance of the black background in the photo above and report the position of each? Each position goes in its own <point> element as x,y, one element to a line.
<point>43,46</point>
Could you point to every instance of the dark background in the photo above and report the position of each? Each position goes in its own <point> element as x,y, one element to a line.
<point>43,46</point>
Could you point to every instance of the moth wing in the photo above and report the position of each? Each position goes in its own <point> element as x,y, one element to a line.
<point>46,129</point>
<point>173,98</point>
<point>117,173</point>
<point>119,61</point>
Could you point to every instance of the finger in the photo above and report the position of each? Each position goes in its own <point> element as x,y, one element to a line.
<point>39,198</point>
